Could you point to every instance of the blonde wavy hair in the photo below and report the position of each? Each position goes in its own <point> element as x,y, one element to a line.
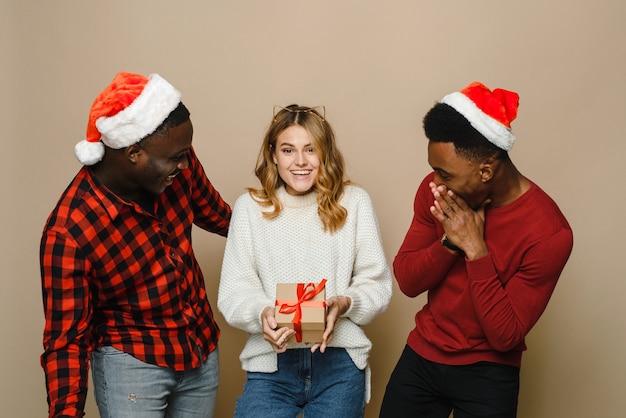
<point>329,183</point>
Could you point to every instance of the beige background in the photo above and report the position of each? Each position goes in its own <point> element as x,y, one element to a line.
<point>378,66</point>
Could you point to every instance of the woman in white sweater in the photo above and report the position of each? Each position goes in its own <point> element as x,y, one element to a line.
<point>306,223</point>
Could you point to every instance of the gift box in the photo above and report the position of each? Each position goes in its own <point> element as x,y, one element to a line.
<point>302,307</point>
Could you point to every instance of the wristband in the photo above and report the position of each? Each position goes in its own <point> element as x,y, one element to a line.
<point>449,245</point>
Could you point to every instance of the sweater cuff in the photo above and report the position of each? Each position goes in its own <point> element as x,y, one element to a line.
<point>353,305</point>
<point>480,269</point>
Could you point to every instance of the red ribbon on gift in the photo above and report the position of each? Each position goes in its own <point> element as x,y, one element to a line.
<point>305,292</point>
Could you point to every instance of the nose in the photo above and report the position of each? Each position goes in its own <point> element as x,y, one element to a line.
<point>183,164</point>
<point>438,180</point>
<point>301,159</point>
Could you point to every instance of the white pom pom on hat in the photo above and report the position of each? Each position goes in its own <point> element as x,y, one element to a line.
<point>126,111</point>
<point>489,112</point>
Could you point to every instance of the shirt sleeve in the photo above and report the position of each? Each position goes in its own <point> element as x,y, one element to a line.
<point>212,213</point>
<point>241,296</point>
<point>422,262</point>
<point>507,313</point>
<point>371,283</point>
<point>67,310</point>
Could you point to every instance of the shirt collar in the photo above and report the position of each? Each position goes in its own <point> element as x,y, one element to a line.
<point>111,203</point>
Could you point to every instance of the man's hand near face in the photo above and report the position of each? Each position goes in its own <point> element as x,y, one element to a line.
<point>464,226</point>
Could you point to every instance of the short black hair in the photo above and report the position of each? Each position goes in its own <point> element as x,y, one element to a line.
<point>176,117</point>
<point>443,123</point>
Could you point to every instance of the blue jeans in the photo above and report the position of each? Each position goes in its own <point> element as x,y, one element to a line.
<point>317,384</point>
<point>129,388</point>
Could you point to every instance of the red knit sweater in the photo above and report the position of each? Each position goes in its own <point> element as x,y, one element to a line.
<point>481,310</point>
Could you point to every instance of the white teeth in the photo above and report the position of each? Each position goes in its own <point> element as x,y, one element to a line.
<point>301,173</point>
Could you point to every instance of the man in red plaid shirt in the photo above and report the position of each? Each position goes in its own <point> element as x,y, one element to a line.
<point>121,283</point>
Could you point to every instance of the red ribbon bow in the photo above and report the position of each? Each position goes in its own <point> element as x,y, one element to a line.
<point>305,293</point>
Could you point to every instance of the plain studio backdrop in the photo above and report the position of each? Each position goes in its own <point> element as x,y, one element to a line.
<point>377,66</point>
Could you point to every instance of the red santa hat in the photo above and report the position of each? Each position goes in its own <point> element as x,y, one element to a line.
<point>126,111</point>
<point>489,112</point>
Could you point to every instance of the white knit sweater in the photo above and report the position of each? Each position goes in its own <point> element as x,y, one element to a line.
<point>292,248</point>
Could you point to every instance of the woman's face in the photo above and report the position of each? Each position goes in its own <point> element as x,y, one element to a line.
<point>297,160</point>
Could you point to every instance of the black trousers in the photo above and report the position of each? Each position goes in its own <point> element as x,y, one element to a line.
<point>419,388</point>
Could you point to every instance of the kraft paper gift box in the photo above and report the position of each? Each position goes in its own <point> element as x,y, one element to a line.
<point>302,306</point>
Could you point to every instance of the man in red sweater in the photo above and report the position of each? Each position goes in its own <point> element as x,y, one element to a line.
<point>488,245</point>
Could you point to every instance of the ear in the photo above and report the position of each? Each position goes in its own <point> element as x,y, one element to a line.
<point>486,170</point>
<point>132,152</point>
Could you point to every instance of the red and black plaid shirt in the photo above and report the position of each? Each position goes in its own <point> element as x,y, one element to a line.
<point>115,274</point>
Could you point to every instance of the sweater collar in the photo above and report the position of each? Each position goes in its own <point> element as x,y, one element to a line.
<point>299,201</point>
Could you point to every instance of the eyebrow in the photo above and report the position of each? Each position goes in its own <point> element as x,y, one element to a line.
<point>288,144</point>
<point>440,170</point>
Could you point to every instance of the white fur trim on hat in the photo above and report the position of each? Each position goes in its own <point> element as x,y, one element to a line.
<point>89,153</point>
<point>494,131</point>
<point>141,118</point>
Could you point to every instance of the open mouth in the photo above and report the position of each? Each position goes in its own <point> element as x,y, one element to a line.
<point>169,179</point>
